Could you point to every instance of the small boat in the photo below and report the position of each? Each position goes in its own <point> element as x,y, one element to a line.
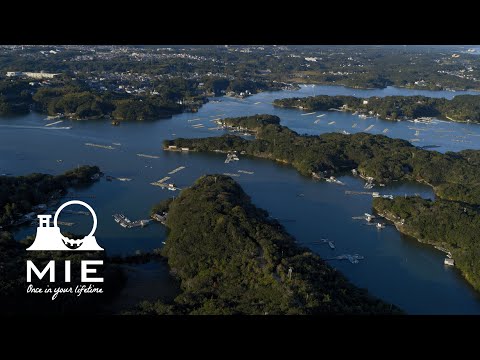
<point>380,226</point>
<point>331,244</point>
<point>369,217</point>
<point>115,123</point>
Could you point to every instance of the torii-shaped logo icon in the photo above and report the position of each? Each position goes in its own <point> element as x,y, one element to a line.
<point>50,238</point>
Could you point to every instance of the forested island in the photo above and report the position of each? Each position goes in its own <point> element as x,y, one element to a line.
<point>232,258</point>
<point>462,108</point>
<point>452,226</point>
<point>453,176</point>
<point>451,221</point>
<point>19,195</point>
<point>75,101</point>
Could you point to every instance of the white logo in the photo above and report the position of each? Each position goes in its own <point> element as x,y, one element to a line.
<point>50,238</point>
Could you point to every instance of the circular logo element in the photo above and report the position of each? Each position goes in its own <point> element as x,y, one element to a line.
<point>72,243</point>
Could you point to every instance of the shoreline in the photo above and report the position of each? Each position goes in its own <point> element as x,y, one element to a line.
<point>352,111</point>
<point>401,229</point>
<point>452,90</point>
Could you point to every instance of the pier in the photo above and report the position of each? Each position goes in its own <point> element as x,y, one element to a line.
<point>161,218</point>
<point>125,222</point>
<point>108,147</point>
<point>54,123</point>
<point>149,156</point>
<point>176,170</point>
<point>161,183</point>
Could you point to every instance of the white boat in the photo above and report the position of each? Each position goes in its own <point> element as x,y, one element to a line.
<point>380,226</point>
<point>449,262</point>
<point>334,180</point>
<point>369,217</point>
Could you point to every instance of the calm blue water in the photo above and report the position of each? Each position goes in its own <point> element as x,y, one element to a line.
<point>395,268</point>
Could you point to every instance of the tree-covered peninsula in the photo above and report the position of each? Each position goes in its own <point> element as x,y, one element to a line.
<point>453,176</point>
<point>78,102</point>
<point>232,258</point>
<point>452,221</point>
<point>449,225</point>
<point>20,194</point>
<point>462,108</point>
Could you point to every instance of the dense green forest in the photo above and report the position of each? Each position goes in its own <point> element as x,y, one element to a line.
<point>232,258</point>
<point>451,225</point>
<point>15,97</point>
<point>460,108</point>
<point>76,100</point>
<point>251,122</point>
<point>79,103</point>
<point>454,176</point>
<point>19,194</point>
<point>13,295</point>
